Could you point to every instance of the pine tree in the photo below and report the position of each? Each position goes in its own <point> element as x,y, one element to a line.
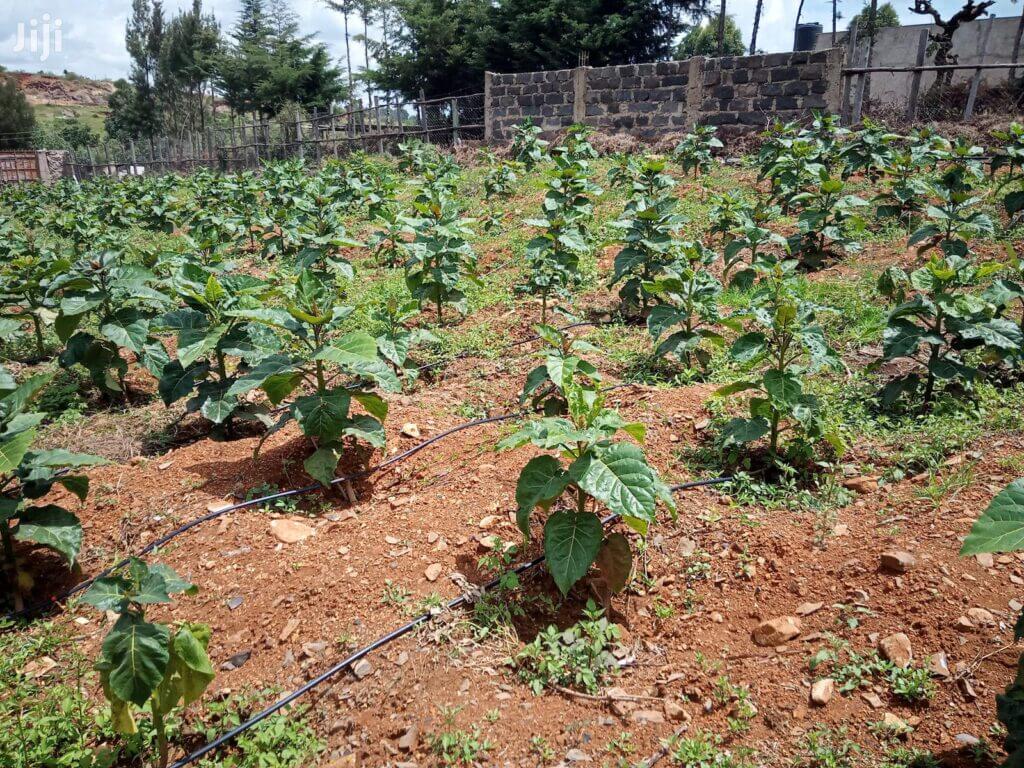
<point>17,118</point>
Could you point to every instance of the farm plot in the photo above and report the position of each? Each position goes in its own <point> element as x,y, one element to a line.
<point>754,427</point>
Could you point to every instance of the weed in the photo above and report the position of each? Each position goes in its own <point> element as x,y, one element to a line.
<point>454,746</point>
<point>395,594</point>
<point>912,684</point>
<point>827,748</point>
<point>704,750</point>
<point>580,657</point>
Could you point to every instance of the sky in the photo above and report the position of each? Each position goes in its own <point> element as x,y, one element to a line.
<point>91,32</point>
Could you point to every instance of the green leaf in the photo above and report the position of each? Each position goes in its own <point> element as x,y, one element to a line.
<point>53,527</point>
<point>615,561</point>
<point>740,431</point>
<point>748,347</point>
<point>109,593</point>
<point>783,387</point>
<point>58,457</point>
<point>136,655</point>
<point>541,482</point>
<point>620,478</point>
<point>323,416</point>
<point>13,450</point>
<point>1000,528</point>
<point>571,542</point>
<point>323,462</point>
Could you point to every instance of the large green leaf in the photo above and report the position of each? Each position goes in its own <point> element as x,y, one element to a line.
<point>189,671</point>
<point>620,478</point>
<point>1000,528</point>
<point>323,416</point>
<point>323,462</point>
<point>783,387</point>
<point>739,431</point>
<point>58,457</point>
<point>127,328</point>
<point>748,347</point>
<point>541,482</point>
<point>571,542</point>
<point>53,527</point>
<point>13,450</point>
<point>135,654</point>
<point>109,593</point>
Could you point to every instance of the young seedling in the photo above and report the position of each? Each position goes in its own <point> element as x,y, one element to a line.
<point>27,475</point>
<point>787,346</point>
<point>600,470</point>
<point>145,664</point>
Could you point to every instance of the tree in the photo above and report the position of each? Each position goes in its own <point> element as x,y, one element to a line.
<point>188,61</point>
<point>885,16</point>
<point>144,40</point>
<point>269,64</point>
<point>17,118</point>
<point>444,47</point>
<point>942,40</point>
<point>345,7</point>
<point>703,40</point>
<point>757,24</point>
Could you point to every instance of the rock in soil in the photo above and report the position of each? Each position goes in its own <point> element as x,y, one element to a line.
<point>290,531</point>
<point>433,572</point>
<point>362,668</point>
<point>896,648</point>
<point>823,691</point>
<point>648,717</point>
<point>897,561</point>
<point>776,631</point>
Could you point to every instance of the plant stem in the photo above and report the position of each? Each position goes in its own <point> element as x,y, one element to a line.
<point>161,736</point>
<point>11,564</point>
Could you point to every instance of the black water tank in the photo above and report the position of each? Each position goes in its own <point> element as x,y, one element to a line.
<point>806,37</point>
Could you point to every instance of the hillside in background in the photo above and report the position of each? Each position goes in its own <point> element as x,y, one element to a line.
<point>56,96</point>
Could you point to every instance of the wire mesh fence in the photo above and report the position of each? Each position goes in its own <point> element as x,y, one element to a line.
<point>314,136</point>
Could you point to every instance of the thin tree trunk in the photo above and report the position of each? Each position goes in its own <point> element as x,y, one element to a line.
<point>366,50</point>
<point>796,24</point>
<point>757,24</point>
<point>835,17</point>
<point>721,29</point>
<point>348,61</point>
<point>873,27</point>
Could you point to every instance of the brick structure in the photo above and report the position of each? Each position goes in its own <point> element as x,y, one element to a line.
<point>744,92</point>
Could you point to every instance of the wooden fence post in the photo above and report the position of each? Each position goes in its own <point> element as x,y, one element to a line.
<point>976,80</point>
<point>455,121</point>
<point>848,80</point>
<point>915,78</point>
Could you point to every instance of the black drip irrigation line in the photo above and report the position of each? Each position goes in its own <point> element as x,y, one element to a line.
<point>43,605</point>
<point>384,640</point>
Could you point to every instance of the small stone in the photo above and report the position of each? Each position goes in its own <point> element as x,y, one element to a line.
<point>410,429</point>
<point>236,661</point>
<point>577,756</point>
<point>861,484</point>
<point>488,521</point>
<point>234,602</point>
<point>290,531</point>
<point>822,691</point>
<point>896,648</point>
<point>892,722</point>
<point>776,631</point>
<point>675,711</point>
<point>408,740</point>
<point>806,609</point>
<point>938,665</point>
<point>362,668</point>
<point>164,465</point>
<point>981,616</point>
<point>897,561</point>
<point>217,506</point>
<point>433,571</point>
<point>872,699</point>
<point>289,627</point>
<point>648,717</point>
<point>716,617</point>
<point>967,739</point>
<point>964,624</point>
<point>985,559</point>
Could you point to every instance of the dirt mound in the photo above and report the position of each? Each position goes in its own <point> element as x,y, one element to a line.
<point>71,91</point>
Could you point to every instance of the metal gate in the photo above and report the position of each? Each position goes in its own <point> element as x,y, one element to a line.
<point>19,166</point>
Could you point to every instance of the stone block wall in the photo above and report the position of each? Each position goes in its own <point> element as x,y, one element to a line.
<point>744,92</point>
<point>639,98</point>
